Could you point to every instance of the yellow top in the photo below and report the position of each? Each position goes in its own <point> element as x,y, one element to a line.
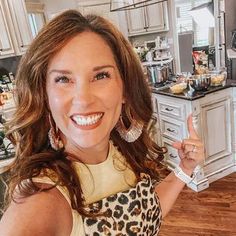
<point>97,182</point>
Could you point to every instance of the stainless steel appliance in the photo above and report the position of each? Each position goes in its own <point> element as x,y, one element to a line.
<point>157,73</point>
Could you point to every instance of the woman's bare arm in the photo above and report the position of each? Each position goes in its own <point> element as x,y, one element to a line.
<point>39,214</point>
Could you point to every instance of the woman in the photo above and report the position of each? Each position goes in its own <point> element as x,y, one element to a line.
<point>85,164</point>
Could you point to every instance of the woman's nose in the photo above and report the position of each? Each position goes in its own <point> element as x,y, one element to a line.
<point>83,95</point>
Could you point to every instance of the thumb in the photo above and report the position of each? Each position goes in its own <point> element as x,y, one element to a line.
<point>192,132</point>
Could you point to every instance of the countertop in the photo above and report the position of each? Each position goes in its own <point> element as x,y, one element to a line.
<point>196,94</point>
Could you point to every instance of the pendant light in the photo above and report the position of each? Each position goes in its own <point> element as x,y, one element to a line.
<point>121,5</point>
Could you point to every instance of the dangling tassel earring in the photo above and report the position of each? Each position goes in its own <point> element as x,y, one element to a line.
<point>54,137</point>
<point>132,133</point>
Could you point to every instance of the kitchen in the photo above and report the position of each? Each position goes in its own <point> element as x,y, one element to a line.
<point>209,110</point>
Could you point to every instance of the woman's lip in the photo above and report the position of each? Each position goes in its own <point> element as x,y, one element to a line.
<point>87,127</point>
<point>86,114</point>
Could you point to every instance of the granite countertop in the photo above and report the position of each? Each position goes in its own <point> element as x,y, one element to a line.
<point>196,94</point>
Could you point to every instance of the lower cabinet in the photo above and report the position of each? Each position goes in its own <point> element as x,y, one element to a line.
<point>213,120</point>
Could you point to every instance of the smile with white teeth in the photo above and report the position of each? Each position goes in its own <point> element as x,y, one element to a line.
<point>87,120</point>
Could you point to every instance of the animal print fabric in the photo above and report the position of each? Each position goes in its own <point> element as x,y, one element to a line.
<point>130,213</point>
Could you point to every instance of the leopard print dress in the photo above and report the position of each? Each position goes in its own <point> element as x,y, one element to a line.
<point>133,212</point>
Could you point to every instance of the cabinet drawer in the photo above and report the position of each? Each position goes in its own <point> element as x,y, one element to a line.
<point>172,129</point>
<point>172,109</point>
<point>171,157</point>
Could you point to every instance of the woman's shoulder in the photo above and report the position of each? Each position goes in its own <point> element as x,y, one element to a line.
<point>38,214</point>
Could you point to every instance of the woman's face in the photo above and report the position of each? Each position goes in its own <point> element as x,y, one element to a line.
<point>85,91</point>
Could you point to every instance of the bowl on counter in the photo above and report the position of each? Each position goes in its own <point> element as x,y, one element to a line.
<point>200,82</point>
<point>218,79</point>
<point>178,88</point>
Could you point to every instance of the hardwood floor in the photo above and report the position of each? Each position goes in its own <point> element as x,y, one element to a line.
<point>211,212</point>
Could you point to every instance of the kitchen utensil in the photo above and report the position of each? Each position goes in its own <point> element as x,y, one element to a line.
<point>200,82</point>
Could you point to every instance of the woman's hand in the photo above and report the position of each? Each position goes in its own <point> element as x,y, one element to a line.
<point>191,150</point>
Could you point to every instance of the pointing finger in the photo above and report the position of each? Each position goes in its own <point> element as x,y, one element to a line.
<point>192,132</point>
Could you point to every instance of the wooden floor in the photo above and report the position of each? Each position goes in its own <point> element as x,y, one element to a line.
<point>211,212</point>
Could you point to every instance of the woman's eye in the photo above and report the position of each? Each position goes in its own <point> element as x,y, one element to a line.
<point>102,75</point>
<point>62,79</point>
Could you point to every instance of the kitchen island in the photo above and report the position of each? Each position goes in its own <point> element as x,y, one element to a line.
<point>214,117</point>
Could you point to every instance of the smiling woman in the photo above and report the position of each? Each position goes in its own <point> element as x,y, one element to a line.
<point>83,154</point>
<point>78,95</point>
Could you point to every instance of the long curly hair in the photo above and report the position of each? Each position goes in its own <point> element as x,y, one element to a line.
<point>28,129</point>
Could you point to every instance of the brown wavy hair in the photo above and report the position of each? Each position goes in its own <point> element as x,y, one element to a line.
<point>28,130</point>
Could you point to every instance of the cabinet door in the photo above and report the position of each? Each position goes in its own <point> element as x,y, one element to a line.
<point>136,21</point>
<point>6,46</point>
<point>155,19</point>
<point>103,10</point>
<point>216,123</point>
<point>21,24</point>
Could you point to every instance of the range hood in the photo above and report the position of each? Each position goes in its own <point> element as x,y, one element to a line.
<point>121,5</point>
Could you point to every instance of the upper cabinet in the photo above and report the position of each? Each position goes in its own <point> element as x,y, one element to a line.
<point>21,24</point>
<point>6,44</point>
<point>101,8</point>
<point>148,19</point>
<point>15,29</point>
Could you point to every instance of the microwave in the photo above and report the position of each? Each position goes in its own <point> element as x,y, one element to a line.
<point>233,40</point>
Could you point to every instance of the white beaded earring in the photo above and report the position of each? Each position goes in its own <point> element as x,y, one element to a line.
<point>54,137</point>
<point>131,133</point>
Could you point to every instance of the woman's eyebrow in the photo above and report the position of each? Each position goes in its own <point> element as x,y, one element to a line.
<point>68,72</point>
<point>96,68</point>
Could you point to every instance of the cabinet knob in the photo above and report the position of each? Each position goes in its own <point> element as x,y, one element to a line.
<point>1,49</point>
<point>173,156</point>
<point>170,130</point>
<point>169,109</point>
<point>21,46</point>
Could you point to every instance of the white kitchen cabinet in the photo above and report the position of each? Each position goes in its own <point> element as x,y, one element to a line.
<point>101,8</point>
<point>6,44</point>
<point>21,25</point>
<point>15,30</point>
<point>148,19</point>
<point>212,116</point>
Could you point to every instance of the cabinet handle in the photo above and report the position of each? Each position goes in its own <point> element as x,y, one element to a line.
<point>171,130</point>
<point>169,109</point>
<point>173,156</point>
